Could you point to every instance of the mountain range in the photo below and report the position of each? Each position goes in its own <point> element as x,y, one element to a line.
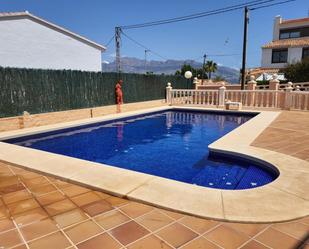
<point>135,65</point>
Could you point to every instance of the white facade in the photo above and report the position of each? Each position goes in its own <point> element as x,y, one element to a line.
<point>294,55</point>
<point>294,46</point>
<point>29,42</point>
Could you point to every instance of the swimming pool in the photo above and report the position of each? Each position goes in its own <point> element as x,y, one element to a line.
<point>171,144</point>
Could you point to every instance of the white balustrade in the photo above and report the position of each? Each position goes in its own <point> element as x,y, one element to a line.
<point>281,99</point>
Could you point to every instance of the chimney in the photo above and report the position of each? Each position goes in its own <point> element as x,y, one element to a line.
<point>276,29</point>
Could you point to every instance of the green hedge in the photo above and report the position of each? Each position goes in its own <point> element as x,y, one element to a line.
<point>39,91</point>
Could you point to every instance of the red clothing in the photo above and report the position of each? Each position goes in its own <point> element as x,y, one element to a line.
<point>119,99</point>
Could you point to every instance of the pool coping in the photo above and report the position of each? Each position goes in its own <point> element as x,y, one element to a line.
<point>284,199</point>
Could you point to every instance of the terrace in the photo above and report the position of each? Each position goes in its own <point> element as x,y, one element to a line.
<point>40,211</point>
<point>49,200</point>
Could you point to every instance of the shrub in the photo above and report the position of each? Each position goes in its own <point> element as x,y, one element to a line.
<point>298,72</point>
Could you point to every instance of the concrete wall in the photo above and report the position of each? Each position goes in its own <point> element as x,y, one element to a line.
<point>26,121</point>
<point>294,55</point>
<point>25,43</point>
<point>276,28</point>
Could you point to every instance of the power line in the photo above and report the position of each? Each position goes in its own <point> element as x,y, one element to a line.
<point>198,15</point>
<point>110,40</point>
<point>143,46</point>
<point>269,5</point>
<point>258,3</point>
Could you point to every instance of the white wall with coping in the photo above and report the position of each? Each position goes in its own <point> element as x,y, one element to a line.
<point>25,43</point>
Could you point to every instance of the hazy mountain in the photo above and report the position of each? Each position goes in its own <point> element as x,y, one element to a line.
<point>135,65</point>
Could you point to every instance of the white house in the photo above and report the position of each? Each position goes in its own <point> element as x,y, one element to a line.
<point>290,43</point>
<point>27,41</point>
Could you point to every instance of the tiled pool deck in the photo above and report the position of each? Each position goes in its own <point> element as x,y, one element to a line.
<point>288,134</point>
<point>42,212</point>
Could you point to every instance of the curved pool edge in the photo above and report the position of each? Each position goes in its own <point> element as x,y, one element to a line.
<point>281,200</point>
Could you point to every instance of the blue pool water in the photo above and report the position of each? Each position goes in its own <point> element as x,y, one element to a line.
<point>170,144</point>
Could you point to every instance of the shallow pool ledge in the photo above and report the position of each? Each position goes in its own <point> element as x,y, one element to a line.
<point>284,199</point>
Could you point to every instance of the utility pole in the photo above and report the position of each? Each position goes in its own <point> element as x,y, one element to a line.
<point>204,62</point>
<point>146,51</point>
<point>244,49</point>
<point>117,43</point>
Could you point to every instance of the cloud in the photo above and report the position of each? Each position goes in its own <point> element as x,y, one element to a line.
<point>105,62</point>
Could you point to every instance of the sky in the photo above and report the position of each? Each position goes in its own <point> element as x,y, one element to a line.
<point>213,35</point>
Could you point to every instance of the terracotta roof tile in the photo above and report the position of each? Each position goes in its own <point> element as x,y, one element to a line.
<point>306,19</point>
<point>286,43</point>
<point>260,70</point>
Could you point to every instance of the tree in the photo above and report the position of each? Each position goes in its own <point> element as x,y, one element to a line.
<point>298,72</point>
<point>218,78</point>
<point>196,72</point>
<point>210,67</point>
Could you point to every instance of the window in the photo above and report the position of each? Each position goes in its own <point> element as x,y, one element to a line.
<point>305,53</point>
<point>287,35</point>
<point>294,33</point>
<point>279,56</point>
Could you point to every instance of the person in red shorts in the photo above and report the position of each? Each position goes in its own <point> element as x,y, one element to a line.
<point>119,94</point>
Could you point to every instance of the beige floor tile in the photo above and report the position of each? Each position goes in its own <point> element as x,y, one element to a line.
<point>9,239</point>
<point>74,190</point>
<point>83,231</point>
<point>96,208</point>
<point>60,207</point>
<point>116,202</point>
<point>254,245</point>
<point>136,232</point>
<point>38,229</point>
<point>226,237</point>
<point>200,243</point>
<point>23,246</point>
<point>4,212</point>
<point>101,241</point>
<point>52,241</point>
<point>305,220</point>
<point>111,219</point>
<point>70,218</point>
<point>11,188</point>
<point>43,189</point>
<point>102,194</point>
<point>30,216</point>
<point>248,229</point>
<point>86,198</point>
<point>295,229</point>
<point>135,209</point>
<point>149,242</point>
<point>16,196</point>
<point>50,198</point>
<point>6,224</point>
<point>198,225</point>
<point>37,181</point>
<point>276,239</point>
<point>176,234</point>
<point>22,206</point>
<point>154,220</point>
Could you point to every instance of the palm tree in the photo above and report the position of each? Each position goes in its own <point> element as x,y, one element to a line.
<point>210,67</point>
